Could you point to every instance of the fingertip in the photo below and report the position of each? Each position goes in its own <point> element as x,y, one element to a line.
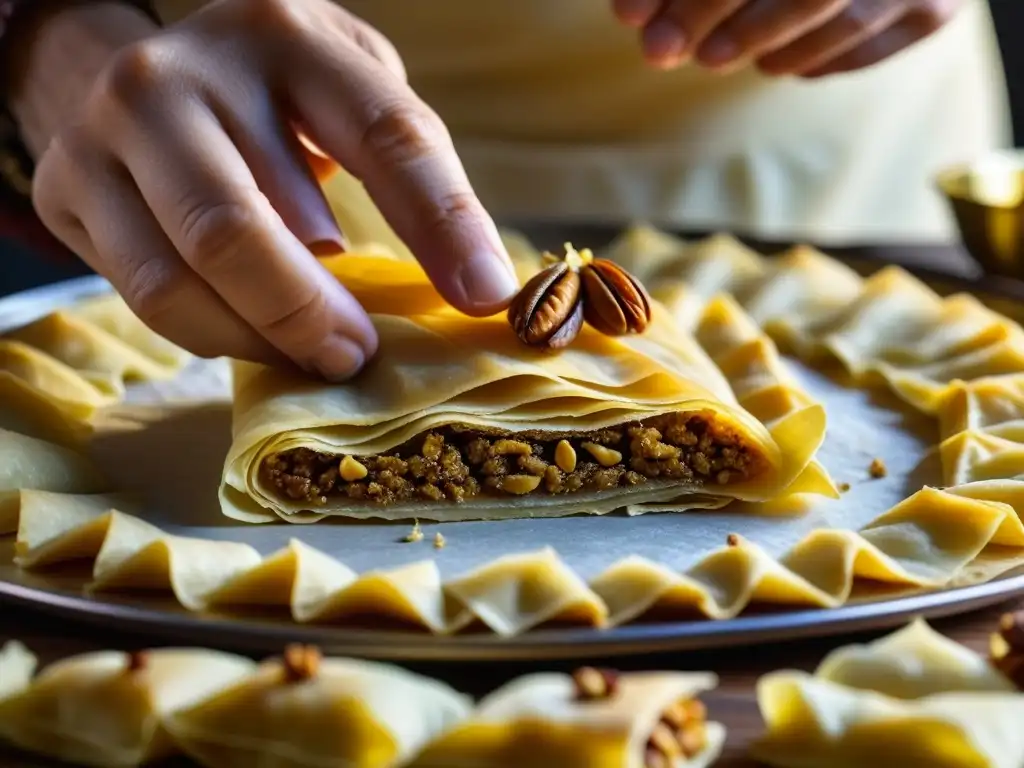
<point>635,13</point>
<point>340,358</point>
<point>485,284</point>
<point>663,43</point>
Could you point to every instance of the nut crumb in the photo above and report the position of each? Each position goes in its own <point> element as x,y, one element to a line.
<point>415,535</point>
<point>844,487</point>
<point>439,541</point>
<point>878,469</point>
<point>733,540</point>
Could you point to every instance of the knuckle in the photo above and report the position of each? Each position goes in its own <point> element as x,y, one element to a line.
<point>134,72</point>
<point>214,235</point>
<point>150,289</point>
<point>403,132</point>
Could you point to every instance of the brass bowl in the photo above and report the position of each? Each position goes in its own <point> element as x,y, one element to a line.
<point>987,199</point>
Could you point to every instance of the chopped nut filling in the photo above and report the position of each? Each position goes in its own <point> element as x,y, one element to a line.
<point>681,733</point>
<point>457,463</point>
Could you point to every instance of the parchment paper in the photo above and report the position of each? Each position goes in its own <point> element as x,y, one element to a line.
<point>168,441</point>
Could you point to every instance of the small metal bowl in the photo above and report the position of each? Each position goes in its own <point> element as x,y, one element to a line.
<point>987,199</point>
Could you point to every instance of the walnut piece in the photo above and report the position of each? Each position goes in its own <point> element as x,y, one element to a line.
<point>878,470</point>
<point>593,684</point>
<point>1007,647</point>
<point>301,662</point>
<point>681,733</point>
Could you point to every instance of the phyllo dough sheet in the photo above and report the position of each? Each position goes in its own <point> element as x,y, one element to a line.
<point>121,710</point>
<point>911,698</point>
<point>456,419</point>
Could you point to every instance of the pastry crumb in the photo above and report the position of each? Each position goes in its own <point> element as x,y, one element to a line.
<point>733,540</point>
<point>415,535</point>
<point>844,487</point>
<point>878,469</point>
<point>439,541</point>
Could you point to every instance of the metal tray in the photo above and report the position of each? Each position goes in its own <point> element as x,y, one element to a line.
<point>62,595</point>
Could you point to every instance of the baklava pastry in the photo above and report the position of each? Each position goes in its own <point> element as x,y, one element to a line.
<point>106,709</point>
<point>595,718</point>
<point>912,698</point>
<point>457,419</point>
<point>302,710</point>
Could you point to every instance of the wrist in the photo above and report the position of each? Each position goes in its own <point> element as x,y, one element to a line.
<point>54,57</point>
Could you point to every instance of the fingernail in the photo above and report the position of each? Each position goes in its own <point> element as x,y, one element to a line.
<point>487,280</point>
<point>340,359</point>
<point>663,41</point>
<point>328,246</point>
<point>718,49</point>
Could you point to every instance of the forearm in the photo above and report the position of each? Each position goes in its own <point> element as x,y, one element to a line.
<point>56,56</point>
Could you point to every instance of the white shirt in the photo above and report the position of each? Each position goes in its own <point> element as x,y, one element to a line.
<point>556,116</point>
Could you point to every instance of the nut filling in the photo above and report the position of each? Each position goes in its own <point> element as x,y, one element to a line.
<point>681,733</point>
<point>457,463</point>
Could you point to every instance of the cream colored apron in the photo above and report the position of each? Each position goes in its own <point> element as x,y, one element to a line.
<point>556,116</point>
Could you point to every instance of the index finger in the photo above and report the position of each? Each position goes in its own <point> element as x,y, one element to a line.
<point>380,130</point>
<point>205,197</point>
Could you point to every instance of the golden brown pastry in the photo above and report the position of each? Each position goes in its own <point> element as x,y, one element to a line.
<point>593,718</point>
<point>106,709</point>
<point>302,711</point>
<point>457,419</point>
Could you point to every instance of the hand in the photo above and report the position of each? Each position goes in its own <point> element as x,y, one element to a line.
<point>183,180</point>
<point>810,38</point>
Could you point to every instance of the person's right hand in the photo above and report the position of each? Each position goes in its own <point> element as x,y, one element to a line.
<point>182,180</point>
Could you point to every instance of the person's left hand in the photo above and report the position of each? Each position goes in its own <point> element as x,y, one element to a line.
<point>809,38</point>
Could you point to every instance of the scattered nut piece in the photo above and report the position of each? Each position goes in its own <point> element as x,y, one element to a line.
<point>844,487</point>
<point>593,683</point>
<point>520,485</point>
<point>733,540</point>
<point>565,456</point>
<point>606,457</point>
<point>137,661</point>
<point>878,469</point>
<point>351,470</point>
<point>415,535</point>
<point>301,662</point>
<point>439,541</point>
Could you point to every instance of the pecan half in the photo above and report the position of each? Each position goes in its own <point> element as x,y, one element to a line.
<point>614,302</point>
<point>548,311</point>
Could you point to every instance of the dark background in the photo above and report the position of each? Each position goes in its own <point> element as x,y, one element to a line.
<point>1009,17</point>
<point>22,267</point>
